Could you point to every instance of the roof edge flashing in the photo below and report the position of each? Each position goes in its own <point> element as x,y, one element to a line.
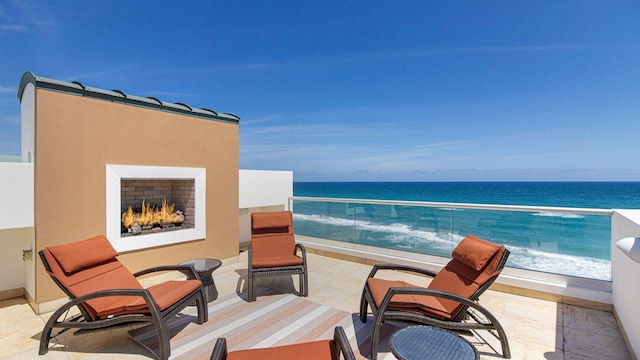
<point>120,97</point>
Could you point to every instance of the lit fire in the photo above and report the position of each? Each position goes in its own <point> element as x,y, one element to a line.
<point>150,216</point>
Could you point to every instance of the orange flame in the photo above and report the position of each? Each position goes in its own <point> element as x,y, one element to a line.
<point>149,216</point>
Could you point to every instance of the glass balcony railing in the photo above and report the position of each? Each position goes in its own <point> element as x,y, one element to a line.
<point>566,241</point>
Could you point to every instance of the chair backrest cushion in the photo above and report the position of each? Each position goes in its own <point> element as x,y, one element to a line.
<point>271,223</point>
<point>272,239</point>
<point>475,261</point>
<point>82,254</point>
<point>94,273</point>
<point>475,252</point>
<point>273,246</point>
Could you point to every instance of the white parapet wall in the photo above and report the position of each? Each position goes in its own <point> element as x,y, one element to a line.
<point>16,228</point>
<point>625,273</point>
<point>16,195</point>
<point>259,188</point>
<point>262,190</point>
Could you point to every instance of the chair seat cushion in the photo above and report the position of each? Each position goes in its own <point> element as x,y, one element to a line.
<point>316,350</point>
<point>420,304</point>
<point>277,261</point>
<point>165,295</point>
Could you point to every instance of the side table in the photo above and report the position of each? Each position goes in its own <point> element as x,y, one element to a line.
<point>205,268</point>
<point>430,343</point>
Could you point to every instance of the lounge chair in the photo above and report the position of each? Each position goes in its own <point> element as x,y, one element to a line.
<point>451,299</point>
<point>316,350</point>
<point>274,251</point>
<point>107,294</point>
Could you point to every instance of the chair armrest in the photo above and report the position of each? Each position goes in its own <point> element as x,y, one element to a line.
<point>185,269</point>
<point>219,350</point>
<point>144,293</point>
<point>302,249</point>
<point>397,267</point>
<point>440,294</point>
<point>342,344</point>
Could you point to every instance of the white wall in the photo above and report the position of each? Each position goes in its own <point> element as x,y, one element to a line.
<point>624,275</point>
<point>261,190</point>
<point>27,122</point>
<point>16,226</point>
<point>16,195</point>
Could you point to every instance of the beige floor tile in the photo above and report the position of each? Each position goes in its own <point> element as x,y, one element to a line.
<point>534,309</point>
<point>19,328</point>
<point>598,346</point>
<point>590,320</point>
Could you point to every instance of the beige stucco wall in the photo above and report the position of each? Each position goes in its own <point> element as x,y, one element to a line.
<point>75,137</point>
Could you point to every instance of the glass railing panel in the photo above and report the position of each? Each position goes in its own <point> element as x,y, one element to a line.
<point>566,243</point>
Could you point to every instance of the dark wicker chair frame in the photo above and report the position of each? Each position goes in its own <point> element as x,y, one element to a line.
<point>301,270</point>
<point>84,323</point>
<point>381,315</point>
<point>339,339</point>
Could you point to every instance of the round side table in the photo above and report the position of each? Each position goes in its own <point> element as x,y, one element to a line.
<point>430,343</point>
<point>205,268</point>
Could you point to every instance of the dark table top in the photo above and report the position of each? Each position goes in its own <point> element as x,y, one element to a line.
<point>426,342</point>
<point>202,265</point>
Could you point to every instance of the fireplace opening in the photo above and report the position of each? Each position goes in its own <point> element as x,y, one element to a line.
<point>156,205</point>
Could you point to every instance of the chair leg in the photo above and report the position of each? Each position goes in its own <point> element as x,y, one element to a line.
<point>363,306</point>
<point>304,284</point>
<point>203,308</point>
<point>252,287</point>
<point>375,338</point>
<point>163,339</point>
<point>44,339</point>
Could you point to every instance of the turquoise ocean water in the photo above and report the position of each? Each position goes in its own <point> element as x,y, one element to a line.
<point>569,244</point>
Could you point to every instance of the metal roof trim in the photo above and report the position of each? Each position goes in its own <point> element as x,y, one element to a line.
<point>121,97</point>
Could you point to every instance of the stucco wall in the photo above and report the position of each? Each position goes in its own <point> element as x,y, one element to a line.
<point>75,137</point>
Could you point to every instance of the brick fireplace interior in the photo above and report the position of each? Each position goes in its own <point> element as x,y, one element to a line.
<point>177,193</point>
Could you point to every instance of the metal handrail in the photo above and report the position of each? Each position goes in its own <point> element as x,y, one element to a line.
<point>564,210</point>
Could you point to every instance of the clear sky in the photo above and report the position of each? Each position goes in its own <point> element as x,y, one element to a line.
<point>362,90</point>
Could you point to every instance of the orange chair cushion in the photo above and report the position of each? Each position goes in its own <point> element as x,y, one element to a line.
<point>103,275</point>
<point>82,254</point>
<point>474,262</point>
<point>165,295</point>
<point>266,220</point>
<point>316,350</point>
<point>421,304</point>
<point>279,250</point>
<point>475,252</point>
<point>273,246</point>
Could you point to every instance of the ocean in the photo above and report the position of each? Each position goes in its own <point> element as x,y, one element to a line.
<point>569,244</point>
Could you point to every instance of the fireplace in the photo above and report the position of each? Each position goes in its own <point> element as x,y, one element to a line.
<point>150,206</point>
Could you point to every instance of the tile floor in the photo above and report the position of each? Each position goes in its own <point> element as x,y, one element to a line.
<point>537,329</point>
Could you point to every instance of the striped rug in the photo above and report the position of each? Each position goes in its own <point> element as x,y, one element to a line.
<point>272,320</point>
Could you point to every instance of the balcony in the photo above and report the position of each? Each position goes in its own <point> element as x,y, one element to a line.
<point>551,316</point>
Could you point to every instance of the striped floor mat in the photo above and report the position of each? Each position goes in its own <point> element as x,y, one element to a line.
<point>272,320</point>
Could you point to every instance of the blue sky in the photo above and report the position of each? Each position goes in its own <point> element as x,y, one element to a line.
<point>362,90</point>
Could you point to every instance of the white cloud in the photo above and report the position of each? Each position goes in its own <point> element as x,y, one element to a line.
<point>14,27</point>
<point>100,73</point>
<point>7,89</point>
